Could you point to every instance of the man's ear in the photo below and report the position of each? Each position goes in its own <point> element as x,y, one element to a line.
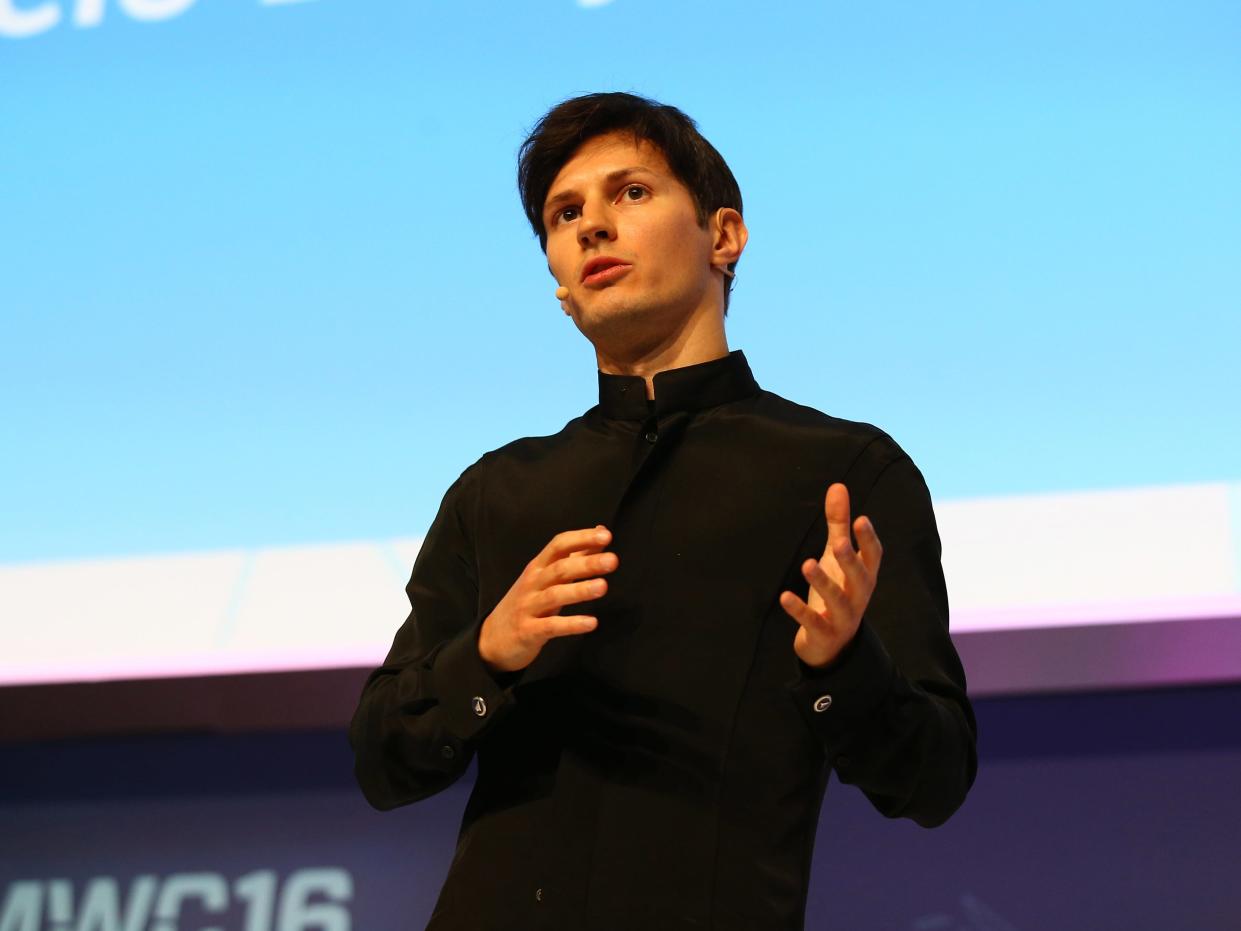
<point>729,236</point>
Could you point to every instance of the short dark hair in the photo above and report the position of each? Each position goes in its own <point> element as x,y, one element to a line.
<point>565,127</point>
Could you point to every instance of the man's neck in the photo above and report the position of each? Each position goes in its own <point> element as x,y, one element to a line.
<point>691,346</point>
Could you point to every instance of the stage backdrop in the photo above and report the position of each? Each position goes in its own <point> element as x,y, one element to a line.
<point>267,290</point>
<point>1103,813</point>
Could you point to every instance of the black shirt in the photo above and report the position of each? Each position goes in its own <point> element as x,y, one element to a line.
<point>665,770</point>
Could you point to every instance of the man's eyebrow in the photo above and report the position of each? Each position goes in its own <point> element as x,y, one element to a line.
<point>610,177</point>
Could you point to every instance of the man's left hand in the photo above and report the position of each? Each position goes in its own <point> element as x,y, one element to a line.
<point>841,583</point>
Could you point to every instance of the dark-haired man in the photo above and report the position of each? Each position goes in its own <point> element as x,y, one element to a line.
<point>654,629</point>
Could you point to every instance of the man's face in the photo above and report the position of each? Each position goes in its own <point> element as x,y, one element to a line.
<point>623,237</point>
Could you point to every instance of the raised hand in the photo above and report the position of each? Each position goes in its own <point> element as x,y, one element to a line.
<point>565,572</point>
<point>841,583</point>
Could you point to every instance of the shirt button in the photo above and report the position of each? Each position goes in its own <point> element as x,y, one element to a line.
<point>538,894</point>
<point>447,752</point>
<point>480,706</point>
<point>651,436</point>
<point>822,703</point>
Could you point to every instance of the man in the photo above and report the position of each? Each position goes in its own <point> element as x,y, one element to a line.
<point>654,629</point>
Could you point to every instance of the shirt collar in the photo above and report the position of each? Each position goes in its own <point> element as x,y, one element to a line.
<point>690,388</point>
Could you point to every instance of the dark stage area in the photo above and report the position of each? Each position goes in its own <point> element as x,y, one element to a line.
<point>1091,811</point>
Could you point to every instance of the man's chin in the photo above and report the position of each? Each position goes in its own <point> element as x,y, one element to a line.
<point>610,319</point>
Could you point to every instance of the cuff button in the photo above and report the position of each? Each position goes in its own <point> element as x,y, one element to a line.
<point>822,703</point>
<point>480,706</point>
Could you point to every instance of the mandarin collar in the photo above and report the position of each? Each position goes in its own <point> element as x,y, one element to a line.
<point>690,388</point>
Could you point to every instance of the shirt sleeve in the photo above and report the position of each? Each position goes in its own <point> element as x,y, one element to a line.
<point>891,710</point>
<point>423,712</point>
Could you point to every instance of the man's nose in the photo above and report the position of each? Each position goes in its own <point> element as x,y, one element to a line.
<point>595,225</point>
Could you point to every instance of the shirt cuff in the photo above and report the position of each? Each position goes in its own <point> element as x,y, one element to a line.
<point>470,695</point>
<point>834,699</point>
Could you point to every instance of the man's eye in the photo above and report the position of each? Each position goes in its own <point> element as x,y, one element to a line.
<point>634,192</point>
<point>566,213</point>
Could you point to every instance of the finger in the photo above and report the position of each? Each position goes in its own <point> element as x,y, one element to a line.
<point>562,544</point>
<point>552,599</point>
<point>557,626</point>
<point>834,598</point>
<point>856,574</point>
<point>868,544</point>
<point>578,566</point>
<point>836,510</point>
<point>803,614</point>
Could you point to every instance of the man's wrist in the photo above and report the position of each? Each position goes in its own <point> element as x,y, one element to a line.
<point>852,685</point>
<point>470,694</point>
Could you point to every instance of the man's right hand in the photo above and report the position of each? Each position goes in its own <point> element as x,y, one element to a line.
<point>566,572</point>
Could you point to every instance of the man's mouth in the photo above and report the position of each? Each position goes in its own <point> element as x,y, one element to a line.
<point>603,270</point>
